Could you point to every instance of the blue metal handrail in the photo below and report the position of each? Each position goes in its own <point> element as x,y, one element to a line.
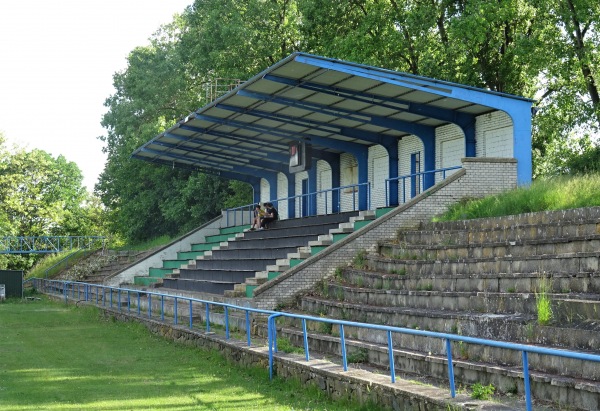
<point>47,244</point>
<point>418,177</point>
<point>67,288</point>
<point>304,197</point>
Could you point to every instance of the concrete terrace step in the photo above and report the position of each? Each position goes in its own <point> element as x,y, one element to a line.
<point>568,263</point>
<point>212,287</point>
<point>515,248</point>
<point>486,282</point>
<point>559,224</point>
<point>507,378</point>
<point>289,241</point>
<point>248,253</point>
<point>479,325</point>
<point>572,308</point>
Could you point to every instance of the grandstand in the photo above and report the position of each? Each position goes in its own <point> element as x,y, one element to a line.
<point>357,160</point>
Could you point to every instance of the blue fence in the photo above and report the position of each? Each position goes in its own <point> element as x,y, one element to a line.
<point>125,298</point>
<point>48,244</point>
<point>332,201</point>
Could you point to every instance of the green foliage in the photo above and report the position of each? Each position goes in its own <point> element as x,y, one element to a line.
<point>543,303</point>
<point>482,392</point>
<point>559,193</point>
<point>541,50</point>
<point>285,345</point>
<point>43,196</point>
<point>360,260</point>
<point>358,356</point>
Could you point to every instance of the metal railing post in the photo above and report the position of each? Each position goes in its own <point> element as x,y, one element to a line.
<point>450,367</point>
<point>526,381</point>
<point>391,356</point>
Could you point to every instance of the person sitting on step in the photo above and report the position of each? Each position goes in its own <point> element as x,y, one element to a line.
<point>258,214</point>
<point>271,215</point>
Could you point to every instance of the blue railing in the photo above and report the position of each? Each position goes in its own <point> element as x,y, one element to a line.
<point>84,291</point>
<point>416,181</point>
<point>48,244</point>
<point>335,205</point>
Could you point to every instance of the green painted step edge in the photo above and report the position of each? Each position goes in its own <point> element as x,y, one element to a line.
<point>189,255</point>
<point>236,229</point>
<point>339,236</point>
<point>204,246</point>
<point>144,280</point>
<point>314,249</point>
<point>174,263</point>
<point>249,290</point>
<point>272,274</point>
<point>383,211</point>
<point>295,261</point>
<point>361,224</point>
<point>218,238</point>
<point>159,272</point>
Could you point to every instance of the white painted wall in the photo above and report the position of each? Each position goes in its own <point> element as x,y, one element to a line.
<point>282,192</point>
<point>379,170</point>
<point>265,191</point>
<point>407,146</point>
<point>494,133</point>
<point>348,175</point>
<point>324,180</point>
<point>299,177</point>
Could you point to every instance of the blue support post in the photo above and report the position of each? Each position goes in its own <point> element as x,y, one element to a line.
<point>343,344</point>
<point>526,381</point>
<point>391,357</point>
<point>312,188</point>
<point>450,367</point>
<point>175,311</point>
<point>226,322</point>
<point>248,327</point>
<point>291,204</point>
<point>305,335</point>
<point>207,317</point>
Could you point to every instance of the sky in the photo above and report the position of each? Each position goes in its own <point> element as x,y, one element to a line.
<point>57,59</point>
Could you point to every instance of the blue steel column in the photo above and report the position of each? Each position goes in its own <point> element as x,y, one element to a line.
<point>363,177</point>
<point>291,192</point>
<point>393,158</point>
<point>334,163</point>
<point>428,139</point>
<point>470,141</point>
<point>521,117</point>
<point>312,188</point>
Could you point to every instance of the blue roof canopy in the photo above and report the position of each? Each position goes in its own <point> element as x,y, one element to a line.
<point>338,106</point>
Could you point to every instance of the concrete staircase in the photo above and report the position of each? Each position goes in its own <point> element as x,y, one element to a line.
<point>480,278</point>
<point>303,251</point>
<point>156,275</point>
<point>101,264</point>
<point>249,257</point>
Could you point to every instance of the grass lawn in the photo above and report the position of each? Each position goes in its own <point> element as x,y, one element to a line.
<point>58,357</point>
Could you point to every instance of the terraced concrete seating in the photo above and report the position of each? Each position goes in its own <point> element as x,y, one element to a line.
<point>238,259</point>
<point>480,278</point>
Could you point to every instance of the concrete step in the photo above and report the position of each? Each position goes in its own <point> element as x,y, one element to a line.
<point>568,263</point>
<point>545,387</point>
<point>517,248</point>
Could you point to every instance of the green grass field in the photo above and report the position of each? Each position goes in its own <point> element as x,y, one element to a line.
<point>58,357</point>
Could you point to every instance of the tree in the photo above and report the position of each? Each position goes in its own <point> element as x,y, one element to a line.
<point>41,196</point>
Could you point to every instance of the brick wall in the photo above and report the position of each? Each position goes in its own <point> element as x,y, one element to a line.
<point>479,177</point>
